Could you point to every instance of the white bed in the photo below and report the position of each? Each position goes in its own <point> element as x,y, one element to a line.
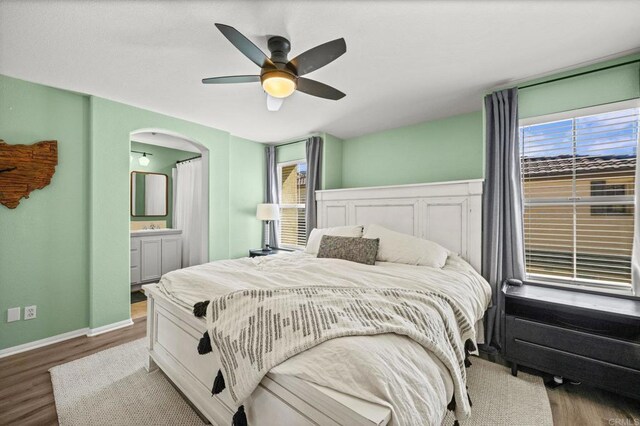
<point>304,389</point>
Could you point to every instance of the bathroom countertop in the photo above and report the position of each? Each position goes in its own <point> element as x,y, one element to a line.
<point>148,232</point>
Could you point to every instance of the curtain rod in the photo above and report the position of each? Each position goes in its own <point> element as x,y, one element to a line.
<point>526,86</point>
<point>312,135</point>
<point>189,159</point>
<point>290,143</point>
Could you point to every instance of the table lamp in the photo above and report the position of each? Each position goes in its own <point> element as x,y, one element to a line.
<point>267,213</point>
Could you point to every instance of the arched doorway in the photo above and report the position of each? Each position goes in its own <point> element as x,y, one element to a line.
<point>158,140</point>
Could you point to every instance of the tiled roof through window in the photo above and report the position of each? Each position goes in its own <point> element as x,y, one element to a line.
<point>563,165</point>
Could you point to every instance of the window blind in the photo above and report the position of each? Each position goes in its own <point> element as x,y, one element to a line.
<point>578,183</point>
<point>293,193</point>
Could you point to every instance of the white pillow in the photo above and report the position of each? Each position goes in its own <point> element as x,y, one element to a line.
<point>402,248</point>
<point>313,243</point>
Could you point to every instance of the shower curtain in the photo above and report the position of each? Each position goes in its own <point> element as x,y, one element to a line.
<point>187,212</point>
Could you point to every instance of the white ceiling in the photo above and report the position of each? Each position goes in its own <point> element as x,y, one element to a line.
<point>406,61</point>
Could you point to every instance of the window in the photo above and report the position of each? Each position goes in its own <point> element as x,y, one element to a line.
<point>602,188</point>
<point>292,180</point>
<point>578,183</point>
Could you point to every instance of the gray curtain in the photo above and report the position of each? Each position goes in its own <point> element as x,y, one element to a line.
<point>314,165</point>
<point>502,230</point>
<point>271,194</point>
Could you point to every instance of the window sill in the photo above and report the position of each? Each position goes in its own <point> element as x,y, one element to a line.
<point>611,292</point>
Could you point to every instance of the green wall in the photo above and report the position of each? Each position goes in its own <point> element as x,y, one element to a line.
<point>246,191</point>
<point>162,160</point>
<point>44,242</point>
<point>602,87</point>
<point>331,177</point>
<point>66,248</point>
<point>111,124</point>
<point>331,174</point>
<point>441,150</point>
<point>453,148</point>
<point>291,152</point>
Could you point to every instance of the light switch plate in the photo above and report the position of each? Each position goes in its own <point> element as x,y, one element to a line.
<point>13,314</point>
<point>29,312</point>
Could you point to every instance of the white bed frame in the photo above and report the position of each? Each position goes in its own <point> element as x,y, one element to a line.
<point>448,213</point>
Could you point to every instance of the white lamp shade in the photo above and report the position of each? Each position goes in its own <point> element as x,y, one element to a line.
<point>268,212</point>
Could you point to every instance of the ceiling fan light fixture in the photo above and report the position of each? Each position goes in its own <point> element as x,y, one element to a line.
<point>279,76</point>
<point>278,84</point>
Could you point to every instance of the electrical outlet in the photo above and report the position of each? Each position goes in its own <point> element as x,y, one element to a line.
<point>13,314</point>
<point>30,312</point>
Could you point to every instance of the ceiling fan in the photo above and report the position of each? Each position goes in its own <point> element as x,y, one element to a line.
<point>280,77</point>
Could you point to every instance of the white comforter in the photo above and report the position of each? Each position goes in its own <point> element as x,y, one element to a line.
<point>388,369</point>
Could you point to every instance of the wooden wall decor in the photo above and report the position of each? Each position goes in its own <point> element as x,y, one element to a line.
<point>24,168</point>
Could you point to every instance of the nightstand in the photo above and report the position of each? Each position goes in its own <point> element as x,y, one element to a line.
<point>262,252</point>
<point>586,337</point>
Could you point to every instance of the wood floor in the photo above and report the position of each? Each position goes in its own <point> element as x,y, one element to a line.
<point>139,310</point>
<point>585,405</point>
<point>26,395</point>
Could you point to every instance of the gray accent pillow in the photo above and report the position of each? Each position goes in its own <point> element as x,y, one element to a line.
<point>354,249</point>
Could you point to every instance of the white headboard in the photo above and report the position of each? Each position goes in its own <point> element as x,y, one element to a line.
<point>449,213</point>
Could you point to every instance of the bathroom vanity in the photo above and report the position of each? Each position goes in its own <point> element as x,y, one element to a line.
<point>154,252</point>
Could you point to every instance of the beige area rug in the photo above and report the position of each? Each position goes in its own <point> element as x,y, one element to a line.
<point>113,388</point>
<point>501,399</point>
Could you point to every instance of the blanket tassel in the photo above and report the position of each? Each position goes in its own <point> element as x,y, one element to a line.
<point>204,347</point>
<point>218,384</point>
<point>200,308</point>
<point>239,418</point>
<point>452,405</point>
<point>468,347</point>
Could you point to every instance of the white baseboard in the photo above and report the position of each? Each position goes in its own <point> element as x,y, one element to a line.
<point>90,332</point>
<point>43,342</point>
<point>109,327</point>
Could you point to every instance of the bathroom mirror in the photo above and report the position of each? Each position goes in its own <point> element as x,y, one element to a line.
<point>149,194</point>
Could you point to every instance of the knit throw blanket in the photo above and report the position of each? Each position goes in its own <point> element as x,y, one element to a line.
<point>255,330</point>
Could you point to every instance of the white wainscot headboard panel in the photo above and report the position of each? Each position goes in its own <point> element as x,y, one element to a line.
<point>449,213</point>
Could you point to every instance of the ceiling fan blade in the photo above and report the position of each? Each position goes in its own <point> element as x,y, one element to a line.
<point>321,90</point>
<point>319,56</point>
<point>232,79</point>
<point>245,45</point>
<point>274,104</point>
